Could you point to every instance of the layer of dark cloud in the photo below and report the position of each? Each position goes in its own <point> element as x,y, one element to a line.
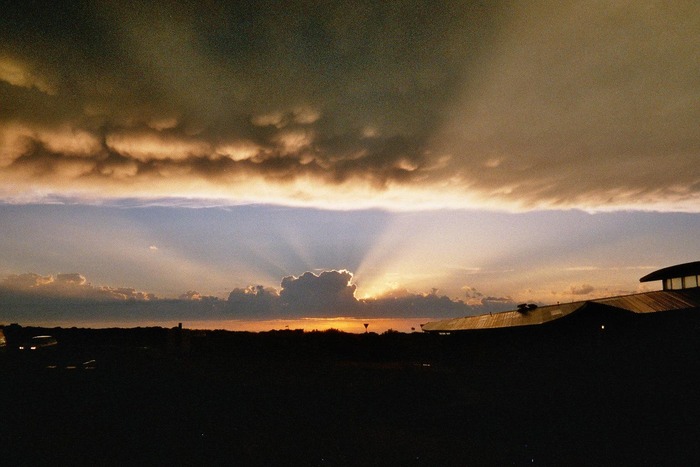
<point>536,103</point>
<point>328,294</point>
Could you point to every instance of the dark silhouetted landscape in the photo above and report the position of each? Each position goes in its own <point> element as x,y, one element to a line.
<point>568,393</point>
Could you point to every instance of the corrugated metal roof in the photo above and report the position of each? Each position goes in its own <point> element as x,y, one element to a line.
<point>505,319</point>
<point>647,302</point>
<point>679,270</point>
<point>652,302</point>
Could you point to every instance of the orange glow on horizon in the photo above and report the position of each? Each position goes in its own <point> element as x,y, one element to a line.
<point>344,324</point>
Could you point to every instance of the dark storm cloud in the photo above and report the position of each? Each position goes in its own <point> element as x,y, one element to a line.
<point>170,95</point>
<point>530,103</point>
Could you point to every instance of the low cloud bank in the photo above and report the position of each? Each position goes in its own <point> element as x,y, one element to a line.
<point>73,285</point>
<point>328,294</point>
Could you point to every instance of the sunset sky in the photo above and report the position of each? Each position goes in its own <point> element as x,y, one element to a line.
<point>214,161</point>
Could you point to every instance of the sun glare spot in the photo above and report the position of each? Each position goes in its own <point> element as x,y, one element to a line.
<point>381,289</point>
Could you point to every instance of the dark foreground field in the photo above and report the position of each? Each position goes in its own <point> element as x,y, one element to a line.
<point>626,395</point>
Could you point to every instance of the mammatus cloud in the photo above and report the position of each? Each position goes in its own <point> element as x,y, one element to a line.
<point>328,294</point>
<point>539,104</point>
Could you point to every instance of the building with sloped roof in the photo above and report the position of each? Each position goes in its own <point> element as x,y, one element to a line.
<point>678,277</point>
<point>680,292</point>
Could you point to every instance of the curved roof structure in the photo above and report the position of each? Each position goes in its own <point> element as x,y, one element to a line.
<point>504,319</point>
<point>679,270</point>
<point>681,292</point>
<point>640,303</point>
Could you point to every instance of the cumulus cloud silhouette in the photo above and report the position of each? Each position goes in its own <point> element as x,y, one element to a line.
<point>331,293</point>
